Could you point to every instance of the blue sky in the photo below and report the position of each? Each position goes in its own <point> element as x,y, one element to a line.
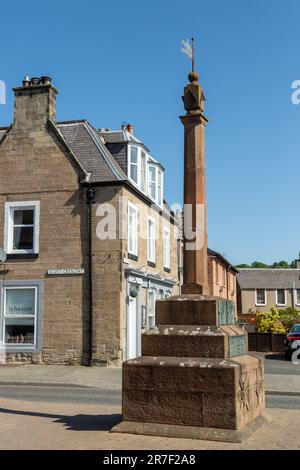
<point>121,61</point>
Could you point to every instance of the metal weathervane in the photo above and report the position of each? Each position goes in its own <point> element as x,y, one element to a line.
<point>189,50</point>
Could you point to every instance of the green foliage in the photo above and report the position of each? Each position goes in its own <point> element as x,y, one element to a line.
<point>281,265</point>
<point>277,321</point>
<point>289,316</point>
<point>260,265</point>
<point>269,322</point>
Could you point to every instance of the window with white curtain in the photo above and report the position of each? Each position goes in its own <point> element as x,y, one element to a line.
<point>132,229</point>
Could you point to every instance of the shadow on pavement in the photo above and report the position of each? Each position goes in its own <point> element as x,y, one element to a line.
<point>74,423</point>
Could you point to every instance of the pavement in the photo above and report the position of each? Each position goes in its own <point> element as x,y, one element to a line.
<point>64,407</point>
<point>281,377</point>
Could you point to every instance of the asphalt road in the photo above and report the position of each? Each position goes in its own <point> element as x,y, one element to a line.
<point>94,396</point>
<point>276,364</point>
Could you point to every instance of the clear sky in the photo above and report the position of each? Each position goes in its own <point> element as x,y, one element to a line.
<point>116,61</point>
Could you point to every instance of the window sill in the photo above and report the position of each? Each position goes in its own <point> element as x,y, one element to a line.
<point>151,264</point>
<point>133,257</point>
<point>21,256</point>
<point>260,305</point>
<point>20,349</point>
<point>167,270</point>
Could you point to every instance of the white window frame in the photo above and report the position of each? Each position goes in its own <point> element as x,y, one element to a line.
<point>38,317</point>
<point>158,171</point>
<point>160,187</point>
<point>137,164</point>
<point>143,174</point>
<point>10,207</point>
<point>151,291</point>
<point>167,248</point>
<point>295,296</point>
<point>151,181</point>
<point>256,302</point>
<point>151,239</point>
<point>280,304</point>
<point>134,251</point>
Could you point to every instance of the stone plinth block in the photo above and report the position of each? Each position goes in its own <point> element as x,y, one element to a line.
<point>193,309</point>
<point>194,341</point>
<point>210,393</point>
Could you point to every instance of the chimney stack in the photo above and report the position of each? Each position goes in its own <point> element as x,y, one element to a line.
<point>130,128</point>
<point>35,102</point>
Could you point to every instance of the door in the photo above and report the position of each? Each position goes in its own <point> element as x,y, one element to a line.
<point>133,329</point>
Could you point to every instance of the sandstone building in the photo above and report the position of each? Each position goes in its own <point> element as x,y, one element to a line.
<point>90,242</point>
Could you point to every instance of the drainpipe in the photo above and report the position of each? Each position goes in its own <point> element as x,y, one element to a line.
<point>90,202</point>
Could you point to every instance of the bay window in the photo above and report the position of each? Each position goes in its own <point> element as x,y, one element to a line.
<point>22,227</point>
<point>146,173</point>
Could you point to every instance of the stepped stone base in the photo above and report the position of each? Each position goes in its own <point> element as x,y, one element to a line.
<point>194,378</point>
<point>191,432</point>
<point>210,393</point>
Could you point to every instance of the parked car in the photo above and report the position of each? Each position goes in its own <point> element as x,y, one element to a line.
<point>290,345</point>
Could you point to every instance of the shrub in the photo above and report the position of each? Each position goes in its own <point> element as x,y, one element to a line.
<point>269,322</point>
<point>289,316</point>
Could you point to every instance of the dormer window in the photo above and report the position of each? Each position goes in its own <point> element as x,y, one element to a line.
<point>145,173</point>
<point>156,184</point>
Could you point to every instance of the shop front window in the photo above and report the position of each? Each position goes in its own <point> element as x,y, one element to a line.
<point>20,315</point>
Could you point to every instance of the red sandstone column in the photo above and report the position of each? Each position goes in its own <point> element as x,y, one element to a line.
<point>195,276</point>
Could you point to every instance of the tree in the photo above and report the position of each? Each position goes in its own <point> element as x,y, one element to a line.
<point>259,264</point>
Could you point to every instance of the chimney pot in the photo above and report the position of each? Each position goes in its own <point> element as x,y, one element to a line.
<point>35,81</point>
<point>26,81</point>
<point>46,80</point>
<point>130,128</point>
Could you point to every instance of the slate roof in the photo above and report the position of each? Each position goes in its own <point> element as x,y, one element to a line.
<point>268,278</point>
<point>116,137</point>
<point>221,258</point>
<point>91,152</point>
